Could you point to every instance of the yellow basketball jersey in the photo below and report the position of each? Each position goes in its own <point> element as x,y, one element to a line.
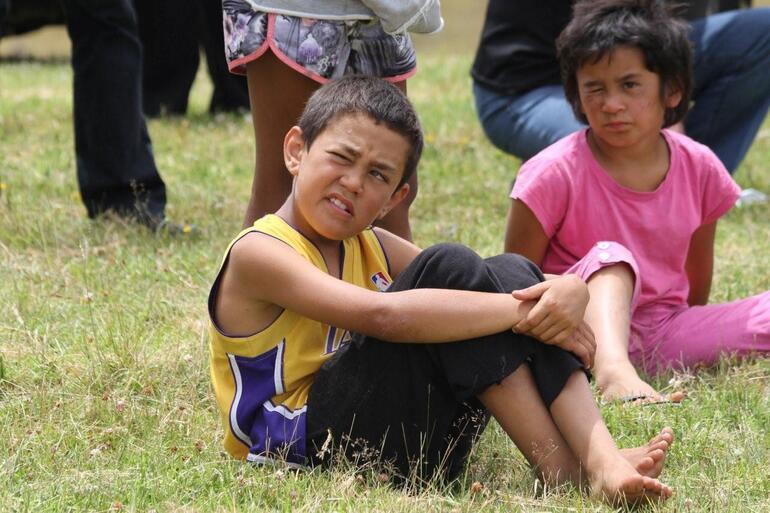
<point>262,381</point>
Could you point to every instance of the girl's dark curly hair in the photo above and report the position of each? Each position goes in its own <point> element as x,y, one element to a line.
<point>600,26</point>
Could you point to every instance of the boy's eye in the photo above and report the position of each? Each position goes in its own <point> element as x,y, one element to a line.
<point>379,175</point>
<point>630,85</point>
<point>339,156</point>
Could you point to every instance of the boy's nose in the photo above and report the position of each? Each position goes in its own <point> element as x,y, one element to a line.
<point>352,181</point>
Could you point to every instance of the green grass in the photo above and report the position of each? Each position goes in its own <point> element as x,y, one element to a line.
<point>105,402</point>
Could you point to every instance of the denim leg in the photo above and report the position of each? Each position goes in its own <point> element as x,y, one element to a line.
<point>524,125</point>
<point>732,81</point>
<point>115,166</point>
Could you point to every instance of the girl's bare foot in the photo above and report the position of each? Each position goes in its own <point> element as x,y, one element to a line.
<point>628,387</point>
<point>649,458</point>
<point>618,483</point>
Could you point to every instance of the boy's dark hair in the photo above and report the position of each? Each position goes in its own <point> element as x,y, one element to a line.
<point>359,94</point>
<point>600,26</point>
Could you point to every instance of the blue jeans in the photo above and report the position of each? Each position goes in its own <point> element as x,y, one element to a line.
<point>731,94</point>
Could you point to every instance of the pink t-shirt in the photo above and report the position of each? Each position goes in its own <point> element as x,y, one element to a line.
<point>578,204</point>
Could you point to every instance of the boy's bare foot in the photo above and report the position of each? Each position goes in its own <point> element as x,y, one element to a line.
<point>649,458</point>
<point>619,483</point>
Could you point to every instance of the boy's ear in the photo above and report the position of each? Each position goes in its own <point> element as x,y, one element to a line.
<point>398,195</point>
<point>293,149</point>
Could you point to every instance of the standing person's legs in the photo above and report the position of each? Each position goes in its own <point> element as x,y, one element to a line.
<point>167,76</point>
<point>702,334</point>
<point>231,91</point>
<point>277,94</point>
<point>526,124</point>
<point>732,82</point>
<point>115,166</point>
<point>397,220</point>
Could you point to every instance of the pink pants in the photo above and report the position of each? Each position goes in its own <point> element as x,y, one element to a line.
<point>664,336</point>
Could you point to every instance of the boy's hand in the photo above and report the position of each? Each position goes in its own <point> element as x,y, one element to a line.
<point>559,309</point>
<point>582,344</point>
<point>557,314</point>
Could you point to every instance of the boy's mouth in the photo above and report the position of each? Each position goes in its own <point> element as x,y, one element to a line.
<point>342,204</point>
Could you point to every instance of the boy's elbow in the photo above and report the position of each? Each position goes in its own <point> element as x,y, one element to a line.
<point>385,319</point>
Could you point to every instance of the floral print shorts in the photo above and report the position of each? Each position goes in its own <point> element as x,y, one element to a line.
<point>320,49</point>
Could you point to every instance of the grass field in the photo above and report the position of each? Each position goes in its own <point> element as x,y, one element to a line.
<point>105,402</point>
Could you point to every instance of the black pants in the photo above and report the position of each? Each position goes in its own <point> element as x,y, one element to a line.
<point>115,166</point>
<point>171,32</point>
<point>414,406</point>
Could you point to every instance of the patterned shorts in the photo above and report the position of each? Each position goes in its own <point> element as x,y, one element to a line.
<point>320,49</point>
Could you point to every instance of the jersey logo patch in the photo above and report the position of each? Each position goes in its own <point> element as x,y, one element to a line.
<point>381,281</point>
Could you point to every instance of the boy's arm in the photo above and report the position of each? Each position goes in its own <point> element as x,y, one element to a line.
<point>399,252</point>
<point>269,271</point>
<point>700,264</point>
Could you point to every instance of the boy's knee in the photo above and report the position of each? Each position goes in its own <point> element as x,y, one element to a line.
<point>451,256</point>
<point>450,265</point>
<point>525,267</point>
<point>454,266</point>
<point>515,271</point>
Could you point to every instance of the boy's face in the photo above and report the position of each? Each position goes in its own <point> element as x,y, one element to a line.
<point>621,98</point>
<point>349,177</point>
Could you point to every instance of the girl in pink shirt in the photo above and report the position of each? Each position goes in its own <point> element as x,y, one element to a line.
<point>630,207</point>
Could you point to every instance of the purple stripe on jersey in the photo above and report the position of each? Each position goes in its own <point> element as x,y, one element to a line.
<point>266,428</point>
<point>342,260</point>
<point>331,334</point>
<point>284,433</point>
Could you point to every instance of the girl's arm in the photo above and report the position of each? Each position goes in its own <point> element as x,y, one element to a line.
<point>552,319</point>
<point>524,234</point>
<point>700,264</point>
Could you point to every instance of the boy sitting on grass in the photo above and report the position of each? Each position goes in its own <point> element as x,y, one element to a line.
<point>308,354</point>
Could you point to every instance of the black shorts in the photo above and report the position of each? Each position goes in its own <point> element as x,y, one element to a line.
<point>413,406</point>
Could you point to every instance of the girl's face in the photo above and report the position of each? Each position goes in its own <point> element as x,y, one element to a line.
<point>621,99</point>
